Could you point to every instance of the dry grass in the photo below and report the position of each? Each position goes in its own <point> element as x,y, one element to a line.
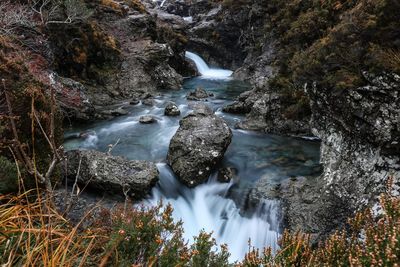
<point>34,234</point>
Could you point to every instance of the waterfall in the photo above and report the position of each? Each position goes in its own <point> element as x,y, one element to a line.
<point>206,71</point>
<point>206,207</point>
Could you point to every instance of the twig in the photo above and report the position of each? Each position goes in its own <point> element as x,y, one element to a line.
<point>111,147</point>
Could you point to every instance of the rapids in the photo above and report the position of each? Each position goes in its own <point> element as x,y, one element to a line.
<point>213,206</point>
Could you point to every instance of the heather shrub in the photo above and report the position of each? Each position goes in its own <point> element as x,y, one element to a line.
<point>372,240</point>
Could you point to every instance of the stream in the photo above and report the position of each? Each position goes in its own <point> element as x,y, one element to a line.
<point>213,206</point>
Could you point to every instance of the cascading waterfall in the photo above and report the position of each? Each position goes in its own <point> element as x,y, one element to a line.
<point>207,208</point>
<point>205,70</point>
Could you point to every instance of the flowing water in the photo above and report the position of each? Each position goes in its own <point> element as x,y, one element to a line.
<point>213,206</point>
<point>205,70</point>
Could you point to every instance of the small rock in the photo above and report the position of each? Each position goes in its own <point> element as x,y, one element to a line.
<point>236,108</point>
<point>147,119</point>
<point>197,95</point>
<point>225,175</point>
<point>172,109</point>
<point>134,102</point>
<point>148,102</point>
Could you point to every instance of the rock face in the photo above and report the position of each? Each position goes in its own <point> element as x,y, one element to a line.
<point>172,109</point>
<point>360,133</point>
<point>124,53</point>
<point>265,110</point>
<point>198,146</point>
<point>111,174</point>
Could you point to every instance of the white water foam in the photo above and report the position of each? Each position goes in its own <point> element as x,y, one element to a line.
<point>205,70</point>
<point>205,207</point>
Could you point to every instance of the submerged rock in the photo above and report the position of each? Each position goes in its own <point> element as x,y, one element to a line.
<point>111,174</point>
<point>172,110</point>
<point>134,102</point>
<point>198,146</point>
<point>198,94</point>
<point>147,119</point>
<point>149,102</point>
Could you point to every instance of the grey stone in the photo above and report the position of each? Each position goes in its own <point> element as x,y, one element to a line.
<point>147,119</point>
<point>111,174</point>
<point>198,146</point>
<point>172,109</point>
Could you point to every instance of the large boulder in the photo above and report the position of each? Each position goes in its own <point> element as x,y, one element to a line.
<point>198,146</point>
<point>111,174</point>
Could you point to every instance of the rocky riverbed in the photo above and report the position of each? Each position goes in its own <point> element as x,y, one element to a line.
<point>358,134</point>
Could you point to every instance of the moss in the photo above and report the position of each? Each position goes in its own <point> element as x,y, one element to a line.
<point>25,86</point>
<point>88,45</point>
<point>8,176</point>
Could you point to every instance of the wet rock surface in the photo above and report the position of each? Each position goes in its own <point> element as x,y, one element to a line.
<point>147,119</point>
<point>172,110</point>
<point>197,95</point>
<point>111,174</point>
<point>225,175</point>
<point>198,146</point>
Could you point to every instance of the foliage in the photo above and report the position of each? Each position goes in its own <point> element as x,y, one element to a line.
<point>149,236</point>
<point>33,232</point>
<point>331,42</point>
<point>8,175</point>
<point>372,240</point>
<point>28,114</point>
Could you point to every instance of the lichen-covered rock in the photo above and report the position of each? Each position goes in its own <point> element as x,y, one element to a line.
<point>111,174</point>
<point>198,146</point>
<point>360,133</point>
<point>172,109</point>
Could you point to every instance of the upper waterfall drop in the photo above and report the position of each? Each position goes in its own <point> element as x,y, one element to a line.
<point>206,71</point>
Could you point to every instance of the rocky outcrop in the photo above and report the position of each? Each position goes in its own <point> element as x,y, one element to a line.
<point>111,174</point>
<point>360,133</point>
<point>267,110</point>
<point>198,146</point>
<point>124,53</point>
